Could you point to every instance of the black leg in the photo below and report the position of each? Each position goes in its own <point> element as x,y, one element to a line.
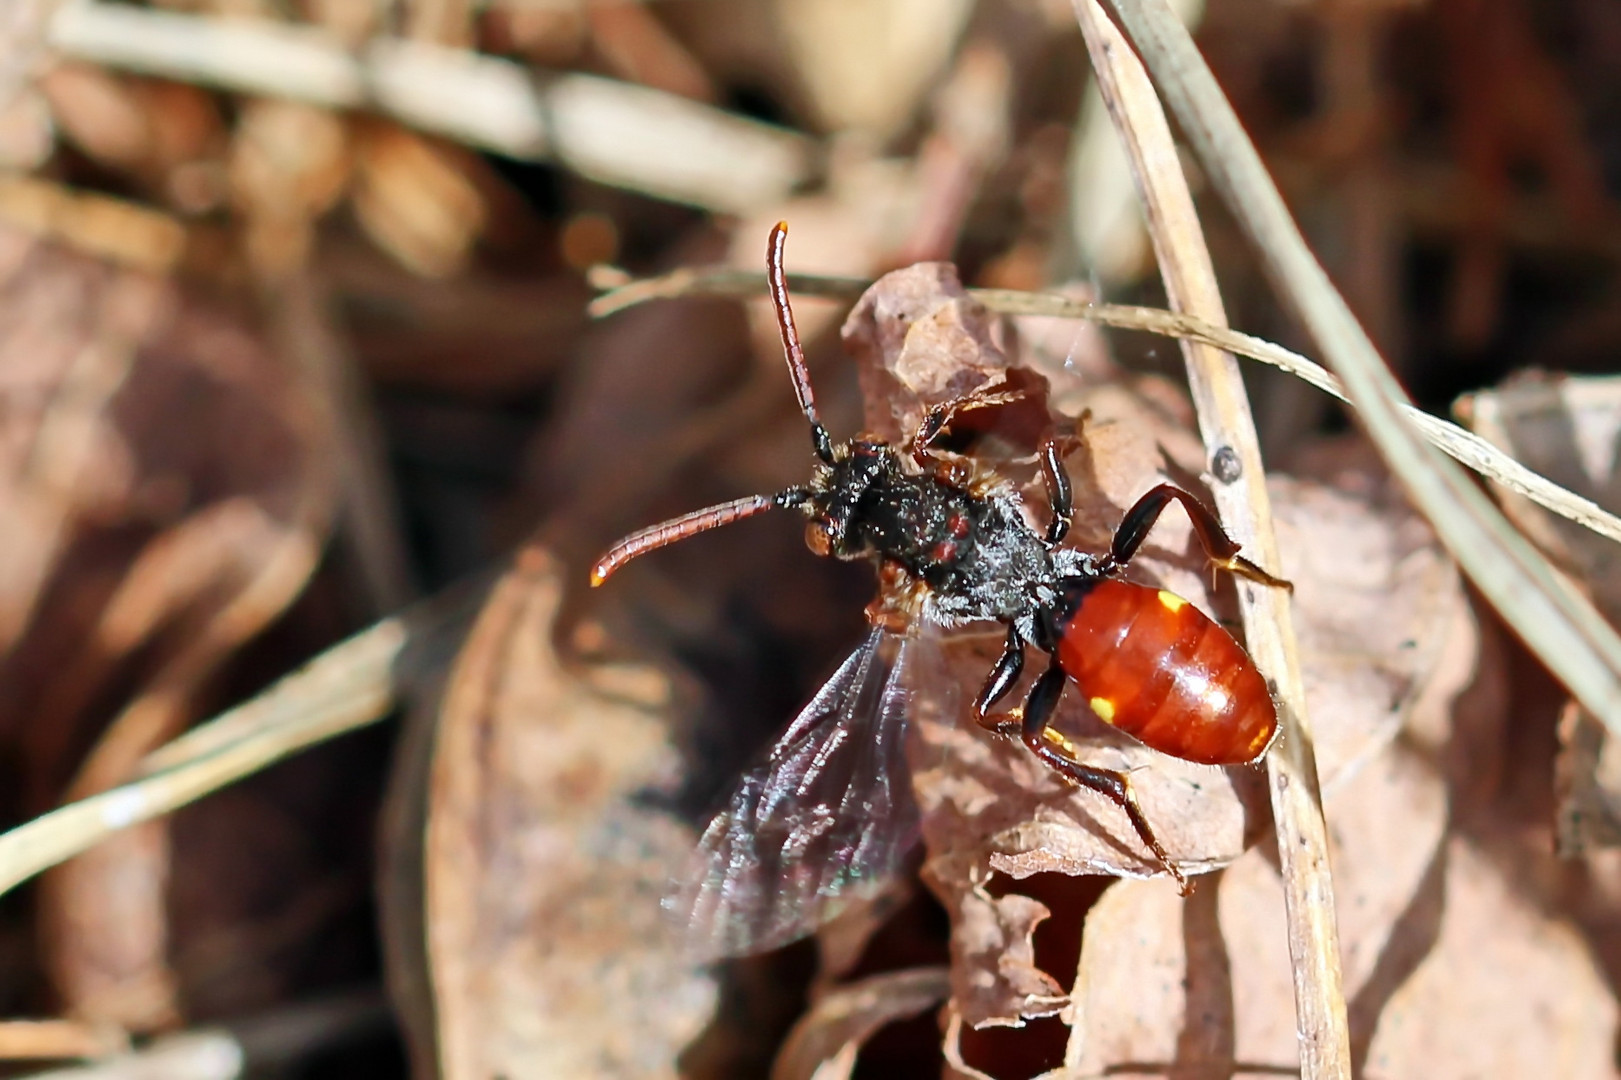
<point>929,429</point>
<point>1113,785</point>
<point>997,684</point>
<point>1059,496</point>
<point>948,468</point>
<point>1219,547</point>
<point>939,417</point>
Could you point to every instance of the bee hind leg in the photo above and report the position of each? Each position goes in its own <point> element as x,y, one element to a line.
<point>1054,752</point>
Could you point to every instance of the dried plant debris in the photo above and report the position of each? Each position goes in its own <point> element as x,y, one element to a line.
<point>825,1042</point>
<point>1429,919</point>
<point>548,950</point>
<point>1566,428</point>
<point>197,234</point>
<point>143,555</point>
<point>1587,778</point>
<point>919,339</point>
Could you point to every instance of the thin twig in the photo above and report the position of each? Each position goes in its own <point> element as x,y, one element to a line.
<point>121,232</point>
<point>1468,448</point>
<point>616,133</point>
<point>1238,485</point>
<point>620,291</point>
<point>207,1054</point>
<point>1561,627</point>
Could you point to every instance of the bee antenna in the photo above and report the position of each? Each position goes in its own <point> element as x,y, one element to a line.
<point>668,532</point>
<point>777,277</point>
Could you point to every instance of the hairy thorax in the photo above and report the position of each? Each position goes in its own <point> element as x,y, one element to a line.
<point>969,544</point>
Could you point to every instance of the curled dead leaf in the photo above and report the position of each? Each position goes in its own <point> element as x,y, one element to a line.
<point>824,1043</point>
<point>548,950</point>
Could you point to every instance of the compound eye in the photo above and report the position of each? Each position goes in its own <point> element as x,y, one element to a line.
<point>819,537</point>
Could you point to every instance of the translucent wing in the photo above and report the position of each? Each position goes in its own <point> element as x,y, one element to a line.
<point>826,819</point>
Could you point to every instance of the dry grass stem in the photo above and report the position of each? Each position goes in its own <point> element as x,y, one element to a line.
<point>1464,446</point>
<point>190,1055</point>
<point>58,1040</point>
<point>1562,628</point>
<point>1241,498</point>
<point>121,232</point>
<point>615,133</point>
<point>347,687</point>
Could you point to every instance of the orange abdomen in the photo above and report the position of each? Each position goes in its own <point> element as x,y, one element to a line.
<point>1157,668</point>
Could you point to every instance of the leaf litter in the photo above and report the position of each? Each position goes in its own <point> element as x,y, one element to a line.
<point>1431,736</point>
<point>146,555</point>
<point>542,868</point>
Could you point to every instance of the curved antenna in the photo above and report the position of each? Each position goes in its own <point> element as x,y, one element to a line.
<point>777,278</point>
<point>657,536</point>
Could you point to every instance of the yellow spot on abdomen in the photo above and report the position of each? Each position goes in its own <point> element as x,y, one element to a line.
<point>1104,708</point>
<point>1172,602</point>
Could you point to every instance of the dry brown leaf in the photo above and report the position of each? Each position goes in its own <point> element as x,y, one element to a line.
<point>146,552</point>
<point>825,1042</point>
<point>96,468</point>
<point>167,136</point>
<point>106,932</point>
<point>548,949</point>
<point>95,110</point>
<point>72,327</point>
<point>1587,776</point>
<point>918,339</point>
<point>1454,965</point>
<point>106,912</point>
<point>995,977</point>
<point>1566,429</point>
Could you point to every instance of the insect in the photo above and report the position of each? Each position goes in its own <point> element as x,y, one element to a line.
<point>830,810</point>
